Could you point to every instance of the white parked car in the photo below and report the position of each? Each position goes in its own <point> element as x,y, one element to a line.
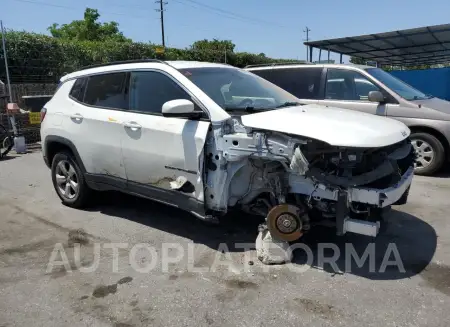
<point>208,138</point>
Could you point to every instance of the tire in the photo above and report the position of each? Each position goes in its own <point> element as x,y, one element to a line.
<point>65,170</point>
<point>430,153</point>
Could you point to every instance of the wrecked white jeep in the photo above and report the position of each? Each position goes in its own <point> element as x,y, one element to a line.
<point>209,138</point>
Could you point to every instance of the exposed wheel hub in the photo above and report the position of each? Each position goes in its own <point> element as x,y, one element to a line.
<point>287,222</point>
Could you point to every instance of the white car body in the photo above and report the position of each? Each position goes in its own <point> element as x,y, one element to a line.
<point>155,155</point>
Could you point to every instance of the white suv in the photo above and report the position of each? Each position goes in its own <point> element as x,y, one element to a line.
<point>209,137</point>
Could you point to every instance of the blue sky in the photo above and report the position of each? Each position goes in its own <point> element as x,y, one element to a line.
<point>274,27</point>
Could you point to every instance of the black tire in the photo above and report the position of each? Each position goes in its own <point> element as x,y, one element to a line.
<point>81,197</point>
<point>439,153</point>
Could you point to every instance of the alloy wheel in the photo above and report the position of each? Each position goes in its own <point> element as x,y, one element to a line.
<point>67,179</point>
<point>425,153</point>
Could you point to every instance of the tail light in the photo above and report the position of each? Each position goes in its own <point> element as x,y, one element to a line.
<point>43,112</point>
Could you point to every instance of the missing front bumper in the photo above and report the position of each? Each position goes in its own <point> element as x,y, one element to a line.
<point>383,197</point>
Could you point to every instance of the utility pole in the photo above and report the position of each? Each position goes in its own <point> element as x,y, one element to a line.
<point>161,10</point>
<point>307,30</point>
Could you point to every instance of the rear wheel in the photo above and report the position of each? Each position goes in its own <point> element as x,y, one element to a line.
<point>430,153</point>
<point>68,180</point>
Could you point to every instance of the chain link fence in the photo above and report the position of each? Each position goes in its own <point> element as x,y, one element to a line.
<point>28,78</point>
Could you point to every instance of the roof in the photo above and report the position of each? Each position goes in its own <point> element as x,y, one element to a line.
<point>179,64</point>
<point>423,45</point>
<point>305,66</point>
<point>138,64</point>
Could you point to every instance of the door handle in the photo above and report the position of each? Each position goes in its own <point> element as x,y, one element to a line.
<point>77,117</point>
<point>132,125</point>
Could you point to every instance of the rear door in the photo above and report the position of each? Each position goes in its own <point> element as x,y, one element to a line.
<point>158,150</point>
<point>304,82</point>
<point>95,120</point>
<point>349,89</point>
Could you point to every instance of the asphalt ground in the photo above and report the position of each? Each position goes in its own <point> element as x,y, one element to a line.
<point>186,273</point>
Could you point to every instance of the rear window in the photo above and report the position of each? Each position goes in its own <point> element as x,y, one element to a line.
<point>78,88</point>
<point>304,83</point>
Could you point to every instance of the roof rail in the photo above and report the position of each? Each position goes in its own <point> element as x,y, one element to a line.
<point>281,64</point>
<point>134,61</point>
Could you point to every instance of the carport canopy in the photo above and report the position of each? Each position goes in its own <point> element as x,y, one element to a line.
<point>417,46</point>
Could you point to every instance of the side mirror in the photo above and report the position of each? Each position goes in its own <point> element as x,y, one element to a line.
<point>376,96</point>
<point>178,108</point>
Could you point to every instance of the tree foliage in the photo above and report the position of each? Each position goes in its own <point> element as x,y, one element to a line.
<point>88,29</point>
<point>40,58</point>
<point>357,61</point>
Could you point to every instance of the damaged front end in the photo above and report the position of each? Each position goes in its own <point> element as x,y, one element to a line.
<point>297,182</point>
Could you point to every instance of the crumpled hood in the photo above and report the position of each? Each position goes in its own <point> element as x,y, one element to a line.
<point>337,127</point>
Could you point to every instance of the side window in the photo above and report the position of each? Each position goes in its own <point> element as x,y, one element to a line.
<point>302,82</point>
<point>78,88</point>
<point>363,86</point>
<point>107,90</point>
<point>348,85</point>
<point>150,90</point>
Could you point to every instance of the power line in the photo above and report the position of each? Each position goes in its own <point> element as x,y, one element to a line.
<point>229,14</point>
<point>77,9</point>
<point>161,11</point>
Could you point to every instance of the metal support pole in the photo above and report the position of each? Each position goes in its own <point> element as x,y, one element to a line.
<point>328,54</point>
<point>320,54</point>
<point>8,80</point>
<point>340,59</point>
<point>310,53</point>
<point>225,55</point>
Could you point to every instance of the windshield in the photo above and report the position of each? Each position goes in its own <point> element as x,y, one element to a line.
<point>235,89</point>
<point>398,86</point>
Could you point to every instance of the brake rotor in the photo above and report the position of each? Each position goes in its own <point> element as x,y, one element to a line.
<point>284,222</point>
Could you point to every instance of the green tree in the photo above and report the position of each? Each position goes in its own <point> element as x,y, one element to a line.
<point>88,29</point>
<point>357,61</point>
<point>214,45</point>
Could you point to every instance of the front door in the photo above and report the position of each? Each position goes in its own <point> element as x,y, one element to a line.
<point>160,152</point>
<point>350,89</point>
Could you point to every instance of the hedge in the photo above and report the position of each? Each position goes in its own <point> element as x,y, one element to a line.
<point>36,58</point>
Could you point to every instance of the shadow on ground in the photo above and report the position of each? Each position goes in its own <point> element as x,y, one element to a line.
<point>405,237</point>
<point>444,173</point>
<point>413,239</point>
<point>232,229</point>
<point>7,157</point>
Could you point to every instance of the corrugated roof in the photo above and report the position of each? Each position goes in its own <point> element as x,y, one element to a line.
<point>423,45</point>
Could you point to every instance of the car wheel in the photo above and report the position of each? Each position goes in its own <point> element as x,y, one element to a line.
<point>430,153</point>
<point>69,181</point>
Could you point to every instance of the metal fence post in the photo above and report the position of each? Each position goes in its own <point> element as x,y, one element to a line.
<point>8,80</point>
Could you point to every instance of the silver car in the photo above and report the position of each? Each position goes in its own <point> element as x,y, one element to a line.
<point>372,90</point>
